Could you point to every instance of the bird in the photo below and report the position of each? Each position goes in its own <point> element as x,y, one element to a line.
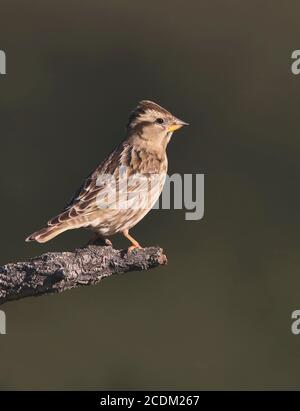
<point>126,185</point>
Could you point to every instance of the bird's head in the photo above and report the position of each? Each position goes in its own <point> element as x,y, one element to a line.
<point>153,123</point>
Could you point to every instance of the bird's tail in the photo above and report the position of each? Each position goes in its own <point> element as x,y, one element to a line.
<point>47,233</point>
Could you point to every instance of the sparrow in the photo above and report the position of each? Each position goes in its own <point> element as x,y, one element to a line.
<point>126,185</point>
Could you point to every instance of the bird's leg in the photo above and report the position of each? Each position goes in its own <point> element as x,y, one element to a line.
<point>134,243</point>
<point>98,239</point>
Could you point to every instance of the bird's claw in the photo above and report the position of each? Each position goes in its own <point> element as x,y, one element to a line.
<point>134,247</point>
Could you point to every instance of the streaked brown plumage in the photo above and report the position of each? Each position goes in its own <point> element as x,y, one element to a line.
<point>126,185</point>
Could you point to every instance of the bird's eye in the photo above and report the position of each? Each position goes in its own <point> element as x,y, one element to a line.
<point>159,120</point>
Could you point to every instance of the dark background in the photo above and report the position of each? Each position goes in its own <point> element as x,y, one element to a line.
<point>218,316</point>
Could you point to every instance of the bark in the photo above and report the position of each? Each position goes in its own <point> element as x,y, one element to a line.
<point>56,272</point>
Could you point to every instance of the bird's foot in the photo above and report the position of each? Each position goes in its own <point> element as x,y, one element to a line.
<point>108,242</point>
<point>134,247</point>
<point>134,243</point>
<point>97,240</point>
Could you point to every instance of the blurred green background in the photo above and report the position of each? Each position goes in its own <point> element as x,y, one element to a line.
<point>218,316</point>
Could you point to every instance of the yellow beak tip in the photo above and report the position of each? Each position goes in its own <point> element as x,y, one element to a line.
<point>175,127</point>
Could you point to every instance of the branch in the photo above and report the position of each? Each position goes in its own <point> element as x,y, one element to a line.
<point>60,271</point>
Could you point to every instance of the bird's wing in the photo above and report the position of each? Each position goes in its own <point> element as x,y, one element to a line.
<point>84,203</point>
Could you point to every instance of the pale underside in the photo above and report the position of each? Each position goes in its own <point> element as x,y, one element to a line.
<point>122,207</point>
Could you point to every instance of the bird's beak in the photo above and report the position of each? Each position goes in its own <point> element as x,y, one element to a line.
<point>176,124</point>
